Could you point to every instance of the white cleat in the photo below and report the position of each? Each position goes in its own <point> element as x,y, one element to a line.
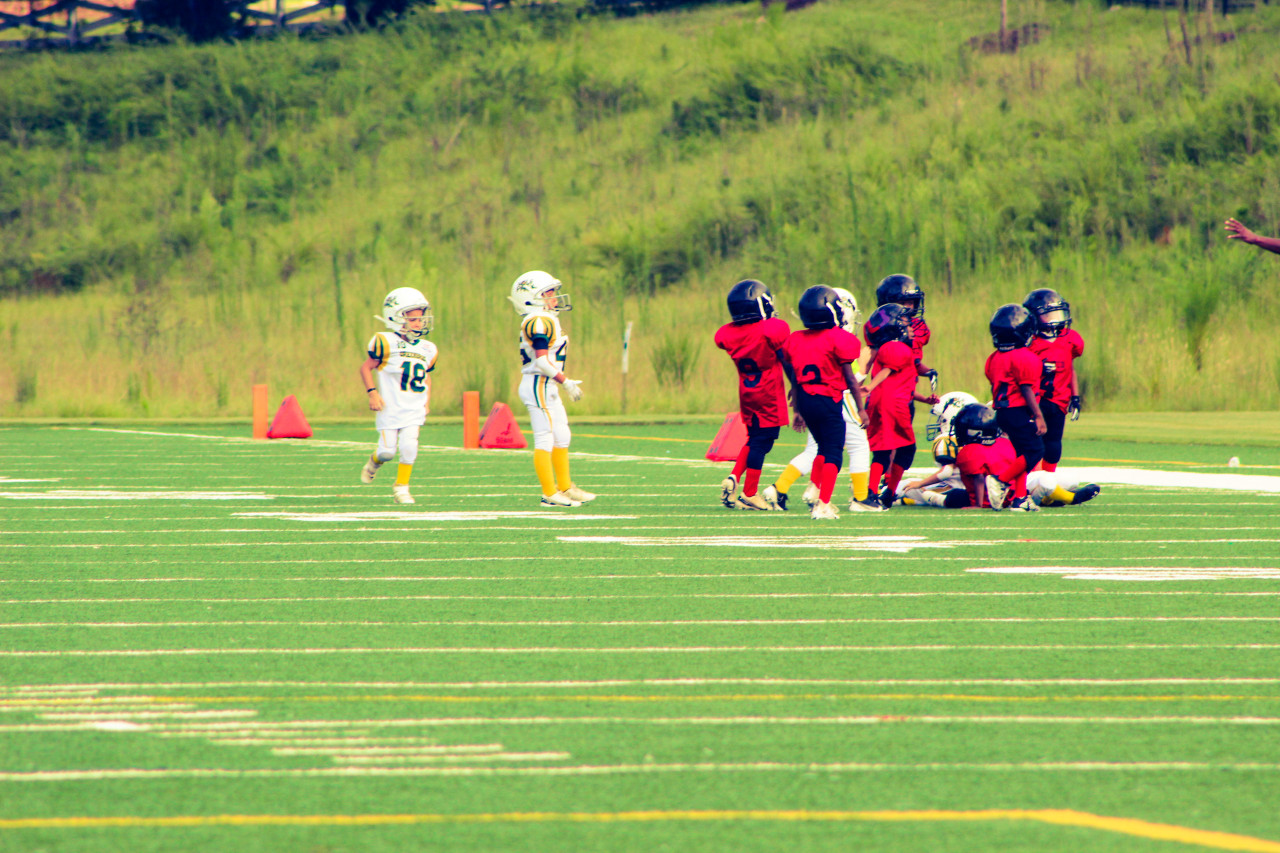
<point>824,512</point>
<point>811,495</point>
<point>582,496</point>
<point>368,472</point>
<point>559,499</point>
<point>773,499</point>
<point>996,492</point>
<point>401,495</point>
<point>1025,505</point>
<point>727,489</point>
<point>753,502</point>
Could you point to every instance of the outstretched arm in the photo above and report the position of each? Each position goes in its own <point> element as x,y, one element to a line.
<point>1239,232</point>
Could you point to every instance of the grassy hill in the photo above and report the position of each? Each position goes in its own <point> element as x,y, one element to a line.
<point>177,223</point>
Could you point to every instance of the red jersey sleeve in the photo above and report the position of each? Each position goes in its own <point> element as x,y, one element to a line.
<point>847,349</point>
<point>969,459</point>
<point>720,338</point>
<point>777,332</point>
<point>1026,368</point>
<point>1077,343</point>
<point>895,355</point>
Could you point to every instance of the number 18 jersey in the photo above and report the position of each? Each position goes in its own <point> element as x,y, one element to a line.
<point>402,379</point>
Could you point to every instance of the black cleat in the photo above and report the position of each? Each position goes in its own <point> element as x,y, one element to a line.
<point>1085,493</point>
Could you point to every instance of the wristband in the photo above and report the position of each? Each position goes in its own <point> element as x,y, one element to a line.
<point>370,390</point>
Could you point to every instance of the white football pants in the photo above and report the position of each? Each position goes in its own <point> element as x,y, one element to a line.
<point>547,417</point>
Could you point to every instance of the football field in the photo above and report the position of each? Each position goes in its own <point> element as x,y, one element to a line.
<point>212,643</point>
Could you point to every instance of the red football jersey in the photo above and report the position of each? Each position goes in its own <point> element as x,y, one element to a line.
<point>979,460</point>
<point>889,404</point>
<point>762,394</point>
<point>1058,354</point>
<point>1007,370</point>
<point>816,356</point>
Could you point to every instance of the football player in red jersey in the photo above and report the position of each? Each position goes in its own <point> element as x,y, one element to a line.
<point>753,340</point>
<point>891,384</point>
<point>1058,346</point>
<point>983,454</point>
<point>1014,372</point>
<point>821,357</point>
<point>900,289</point>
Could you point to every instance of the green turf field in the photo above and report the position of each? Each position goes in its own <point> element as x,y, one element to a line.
<point>210,643</point>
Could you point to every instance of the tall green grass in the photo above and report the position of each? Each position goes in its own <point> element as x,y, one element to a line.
<point>186,221</point>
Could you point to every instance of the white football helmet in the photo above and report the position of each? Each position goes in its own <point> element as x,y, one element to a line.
<point>399,301</point>
<point>529,293</point>
<point>948,405</point>
<point>945,449</point>
<point>850,316</point>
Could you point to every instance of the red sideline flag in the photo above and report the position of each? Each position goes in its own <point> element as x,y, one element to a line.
<point>729,441</point>
<point>500,429</point>
<point>289,421</point>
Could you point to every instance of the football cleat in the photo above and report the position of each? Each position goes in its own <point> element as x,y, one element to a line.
<point>1086,493</point>
<point>1024,504</point>
<point>824,512</point>
<point>367,472</point>
<point>886,498</point>
<point>401,495</point>
<point>752,502</point>
<point>996,492</point>
<point>869,504</point>
<point>559,499</point>
<point>811,495</point>
<point>727,488</point>
<point>582,496</point>
<point>774,498</point>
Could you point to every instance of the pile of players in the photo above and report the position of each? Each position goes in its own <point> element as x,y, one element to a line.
<point>998,455</point>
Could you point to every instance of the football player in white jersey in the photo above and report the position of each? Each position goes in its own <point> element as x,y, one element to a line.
<point>543,347</point>
<point>397,381</point>
<point>855,442</point>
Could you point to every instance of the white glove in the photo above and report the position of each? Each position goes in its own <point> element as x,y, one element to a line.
<point>572,387</point>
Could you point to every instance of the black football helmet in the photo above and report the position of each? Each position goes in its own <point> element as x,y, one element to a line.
<point>750,301</point>
<point>1012,326</point>
<point>889,322</point>
<point>1051,312</point>
<point>820,308</point>
<point>903,290</point>
<point>975,424</point>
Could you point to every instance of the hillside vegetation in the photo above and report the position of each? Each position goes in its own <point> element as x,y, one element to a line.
<point>179,222</point>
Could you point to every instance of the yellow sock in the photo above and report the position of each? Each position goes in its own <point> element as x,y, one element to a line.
<point>560,462</point>
<point>375,461</point>
<point>402,474</point>
<point>1059,495</point>
<point>861,484</point>
<point>542,465</point>
<point>788,479</point>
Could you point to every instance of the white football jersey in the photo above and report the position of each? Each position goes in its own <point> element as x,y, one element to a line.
<point>541,330</point>
<point>402,372</point>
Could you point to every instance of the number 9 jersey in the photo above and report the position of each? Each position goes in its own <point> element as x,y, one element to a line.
<point>402,375</point>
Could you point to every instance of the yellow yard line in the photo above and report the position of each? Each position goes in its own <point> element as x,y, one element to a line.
<point>1057,817</point>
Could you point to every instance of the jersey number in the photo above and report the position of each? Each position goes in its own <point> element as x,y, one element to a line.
<point>810,375</point>
<point>413,377</point>
<point>1047,379</point>
<point>750,371</point>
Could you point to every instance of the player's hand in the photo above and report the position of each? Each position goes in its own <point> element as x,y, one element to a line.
<point>931,400</point>
<point>861,419</point>
<point>1238,231</point>
<point>933,381</point>
<point>1074,407</point>
<point>375,401</point>
<point>1041,426</point>
<point>797,423</point>
<point>572,387</point>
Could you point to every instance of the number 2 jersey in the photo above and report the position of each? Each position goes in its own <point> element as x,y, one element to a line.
<point>402,379</point>
<point>762,396</point>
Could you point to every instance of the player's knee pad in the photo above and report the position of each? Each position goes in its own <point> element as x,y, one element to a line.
<point>386,446</point>
<point>1053,452</point>
<point>759,442</point>
<point>408,445</point>
<point>904,456</point>
<point>543,441</point>
<point>560,434</point>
